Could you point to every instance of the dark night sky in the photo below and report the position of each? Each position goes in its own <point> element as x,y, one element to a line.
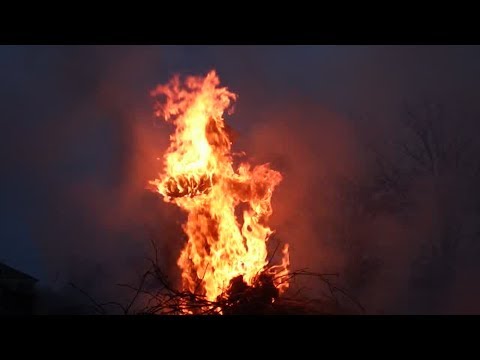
<point>65,109</point>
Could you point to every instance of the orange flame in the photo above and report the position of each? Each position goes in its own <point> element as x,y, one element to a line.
<point>199,177</point>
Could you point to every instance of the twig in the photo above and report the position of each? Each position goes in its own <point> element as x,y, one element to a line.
<point>98,306</point>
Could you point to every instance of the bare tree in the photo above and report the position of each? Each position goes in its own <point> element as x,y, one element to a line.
<point>437,152</point>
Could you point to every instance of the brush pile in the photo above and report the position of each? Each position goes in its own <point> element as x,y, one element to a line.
<point>156,296</point>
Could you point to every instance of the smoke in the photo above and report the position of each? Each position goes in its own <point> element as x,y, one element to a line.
<point>73,118</point>
<point>318,158</point>
<point>79,146</point>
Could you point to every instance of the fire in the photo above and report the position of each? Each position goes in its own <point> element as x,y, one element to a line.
<point>200,178</point>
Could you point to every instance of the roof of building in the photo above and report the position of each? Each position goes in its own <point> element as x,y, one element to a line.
<point>6,272</point>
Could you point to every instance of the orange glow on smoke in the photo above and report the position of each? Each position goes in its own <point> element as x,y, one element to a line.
<point>199,177</point>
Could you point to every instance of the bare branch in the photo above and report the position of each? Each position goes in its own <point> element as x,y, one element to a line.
<point>98,307</point>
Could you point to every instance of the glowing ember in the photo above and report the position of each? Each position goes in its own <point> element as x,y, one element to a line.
<point>199,177</point>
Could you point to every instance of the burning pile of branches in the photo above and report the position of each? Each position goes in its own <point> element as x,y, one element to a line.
<point>261,298</point>
<point>224,264</point>
<point>156,295</point>
<point>225,247</point>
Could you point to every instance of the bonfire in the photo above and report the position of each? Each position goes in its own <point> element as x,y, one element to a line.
<point>225,265</point>
<point>224,252</point>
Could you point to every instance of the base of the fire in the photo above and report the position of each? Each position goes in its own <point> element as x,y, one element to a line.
<point>156,296</point>
<point>241,298</point>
